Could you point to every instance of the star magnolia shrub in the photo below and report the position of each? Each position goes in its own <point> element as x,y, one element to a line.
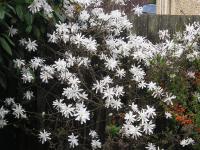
<point>96,84</point>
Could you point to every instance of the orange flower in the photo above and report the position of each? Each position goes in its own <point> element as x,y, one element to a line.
<point>178,109</point>
<point>180,118</point>
<point>198,130</point>
<point>187,122</point>
<point>183,120</point>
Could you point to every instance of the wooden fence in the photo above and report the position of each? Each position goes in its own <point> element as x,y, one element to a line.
<point>149,25</point>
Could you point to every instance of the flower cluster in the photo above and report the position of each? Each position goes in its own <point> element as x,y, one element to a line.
<point>138,122</point>
<point>38,5</point>
<point>79,111</point>
<point>11,108</point>
<point>73,140</point>
<point>44,136</point>
<point>152,146</point>
<point>187,141</point>
<point>3,112</point>
<point>95,143</point>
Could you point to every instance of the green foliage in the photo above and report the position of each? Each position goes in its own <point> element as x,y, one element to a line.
<point>179,86</point>
<point>197,119</point>
<point>5,46</point>
<point>8,39</point>
<point>153,1</point>
<point>113,130</point>
<point>16,13</point>
<point>2,12</point>
<point>3,80</point>
<point>19,11</point>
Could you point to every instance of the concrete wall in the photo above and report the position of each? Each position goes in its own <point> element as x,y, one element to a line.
<point>178,7</point>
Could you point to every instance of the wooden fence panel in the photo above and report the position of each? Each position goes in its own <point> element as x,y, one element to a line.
<point>149,25</point>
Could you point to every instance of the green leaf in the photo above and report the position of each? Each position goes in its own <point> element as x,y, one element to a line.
<point>2,12</point>
<point>28,1</point>
<point>8,39</point>
<point>3,83</point>
<point>113,129</point>
<point>5,46</point>
<point>197,119</point>
<point>11,8</point>
<point>29,29</point>
<point>28,18</point>
<point>19,12</point>
<point>60,17</point>
<point>42,29</point>
<point>8,14</point>
<point>36,32</point>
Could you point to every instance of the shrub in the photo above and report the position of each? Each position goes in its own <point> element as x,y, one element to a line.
<point>91,83</point>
